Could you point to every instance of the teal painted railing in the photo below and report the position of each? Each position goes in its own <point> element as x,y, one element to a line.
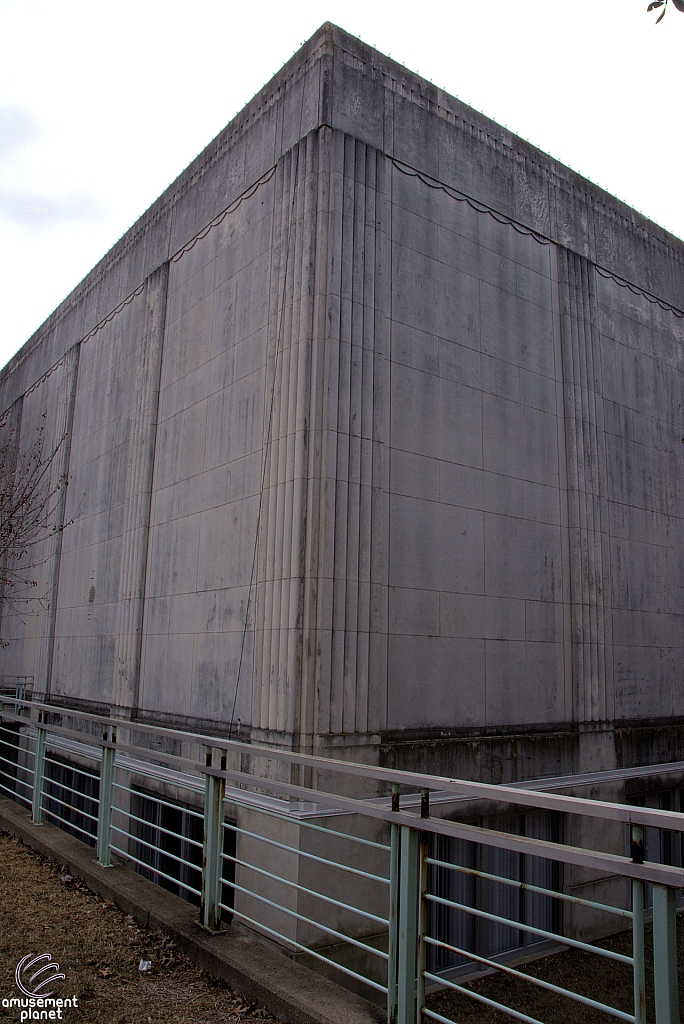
<point>380,891</point>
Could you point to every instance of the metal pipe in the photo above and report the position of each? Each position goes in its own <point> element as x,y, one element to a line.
<point>69,824</point>
<point>16,796</point>
<point>307,920</point>
<point>157,849</point>
<point>519,926</point>
<point>309,856</point>
<point>407,946</point>
<point>665,955</point>
<point>214,791</point>
<point>25,735</point>
<point>157,828</point>
<point>305,949</point>
<point>393,924</point>
<point>637,843</point>
<point>302,888</point>
<point>70,788</point>
<point>6,775</point>
<point>158,800</point>
<point>482,999</point>
<point>72,767</point>
<point>38,773</point>
<point>527,977</point>
<point>652,817</point>
<point>607,862</point>
<point>156,871</point>
<point>309,824</point>
<point>657,873</point>
<point>532,888</point>
<point>13,764</point>
<point>68,806</point>
<point>422,925</point>
<point>104,827</point>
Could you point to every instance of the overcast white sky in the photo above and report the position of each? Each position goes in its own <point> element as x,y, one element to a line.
<point>102,105</point>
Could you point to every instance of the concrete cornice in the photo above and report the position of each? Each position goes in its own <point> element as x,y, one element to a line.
<point>417,90</point>
<point>154,238</point>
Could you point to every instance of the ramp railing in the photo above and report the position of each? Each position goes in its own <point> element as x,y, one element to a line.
<point>399,885</point>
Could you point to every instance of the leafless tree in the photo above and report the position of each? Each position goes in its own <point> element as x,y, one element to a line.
<point>30,503</point>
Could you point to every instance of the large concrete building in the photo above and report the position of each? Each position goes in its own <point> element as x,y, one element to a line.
<point>375,445</point>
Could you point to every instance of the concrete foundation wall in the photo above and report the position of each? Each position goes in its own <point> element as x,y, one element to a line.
<point>374,431</point>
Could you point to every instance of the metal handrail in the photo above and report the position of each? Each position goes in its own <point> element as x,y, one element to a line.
<point>405,892</point>
<point>628,813</point>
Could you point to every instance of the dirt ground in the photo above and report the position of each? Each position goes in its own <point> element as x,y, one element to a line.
<point>589,974</point>
<point>43,910</point>
<point>99,949</point>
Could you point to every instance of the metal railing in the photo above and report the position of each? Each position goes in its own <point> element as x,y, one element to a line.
<point>391,900</point>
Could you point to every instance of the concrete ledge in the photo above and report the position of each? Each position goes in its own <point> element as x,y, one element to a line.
<point>288,990</point>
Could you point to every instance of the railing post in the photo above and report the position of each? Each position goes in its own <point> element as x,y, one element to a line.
<point>214,794</point>
<point>422,908</point>
<point>409,885</point>
<point>638,929</point>
<point>393,914</point>
<point>38,776</point>
<point>665,955</point>
<point>104,821</point>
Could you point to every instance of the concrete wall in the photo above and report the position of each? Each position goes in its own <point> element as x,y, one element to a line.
<point>375,445</point>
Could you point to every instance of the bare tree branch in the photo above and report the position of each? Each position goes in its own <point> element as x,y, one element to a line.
<point>30,499</point>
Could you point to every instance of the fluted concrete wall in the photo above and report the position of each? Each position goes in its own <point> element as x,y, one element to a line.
<point>375,445</point>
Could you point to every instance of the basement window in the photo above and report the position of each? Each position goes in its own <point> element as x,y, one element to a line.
<point>168,844</point>
<point>478,935</point>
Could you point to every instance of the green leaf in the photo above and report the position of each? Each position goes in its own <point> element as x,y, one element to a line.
<point>662,15</point>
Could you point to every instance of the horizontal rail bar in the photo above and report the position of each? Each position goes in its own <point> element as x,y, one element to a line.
<point>14,778</point>
<point>318,828</point>
<point>609,862</point>
<point>303,888</point>
<point>651,817</point>
<point>520,926</point>
<point>549,986</point>
<point>13,794</point>
<point>68,806</point>
<point>72,767</point>
<point>307,920</point>
<point>19,767</point>
<point>480,999</point>
<point>70,789</point>
<point>155,871</point>
<point>69,824</point>
<point>157,849</point>
<point>661,874</point>
<point>305,949</point>
<point>15,746</point>
<point>157,799</point>
<point>305,853</point>
<point>157,828</point>
<point>531,888</point>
